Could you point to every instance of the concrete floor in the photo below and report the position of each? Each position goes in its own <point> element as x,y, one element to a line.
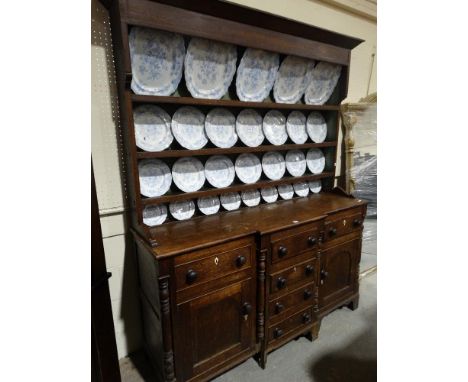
<point>346,350</point>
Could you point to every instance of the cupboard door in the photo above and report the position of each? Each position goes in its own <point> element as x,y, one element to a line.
<point>216,327</point>
<point>338,272</point>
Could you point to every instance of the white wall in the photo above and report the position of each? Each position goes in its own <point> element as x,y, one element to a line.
<point>105,142</point>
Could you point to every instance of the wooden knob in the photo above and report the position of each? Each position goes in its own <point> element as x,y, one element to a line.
<point>312,240</point>
<point>306,318</point>
<point>332,231</point>
<point>307,294</point>
<point>240,261</point>
<point>282,251</point>
<point>246,308</point>
<point>278,332</point>
<point>357,222</point>
<point>191,276</point>
<point>279,307</point>
<point>281,282</point>
<point>323,274</point>
<point>309,270</point>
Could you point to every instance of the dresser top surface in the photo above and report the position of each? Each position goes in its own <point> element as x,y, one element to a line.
<point>184,236</point>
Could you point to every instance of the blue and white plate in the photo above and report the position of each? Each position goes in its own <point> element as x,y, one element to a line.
<point>249,127</point>
<point>296,162</point>
<point>152,128</point>
<point>188,127</point>
<point>286,191</point>
<point>274,127</point>
<point>230,201</point>
<point>182,210</point>
<point>256,74</point>
<point>315,161</point>
<point>209,205</point>
<point>269,194</point>
<point>316,127</point>
<point>248,168</point>
<point>157,59</point>
<point>292,79</point>
<point>251,198</point>
<point>155,177</point>
<point>220,127</point>
<point>209,68</point>
<point>188,174</point>
<point>273,165</point>
<point>219,171</point>
<point>315,186</point>
<point>296,127</point>
<point>301,189</point>
<point>323,80</point>
<point>154,215</point>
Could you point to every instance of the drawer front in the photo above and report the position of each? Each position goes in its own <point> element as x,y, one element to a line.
<point>290,278</point>
<point>342,223</point>
<point>292,302</point>
<point>290,243</point>
<point>214,263</point>
<point>296,321</point>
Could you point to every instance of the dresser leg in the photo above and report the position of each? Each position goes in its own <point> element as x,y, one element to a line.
<point>261,359</point>
<point>354,303</point>
<point>314,332</point>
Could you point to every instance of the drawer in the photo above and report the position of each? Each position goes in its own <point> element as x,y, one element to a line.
<point>291,302</point>
<point>292,242</point>
<point>292,323</point>
<point>216,262</point>
<point>342,223</point>
<point>290,278</point>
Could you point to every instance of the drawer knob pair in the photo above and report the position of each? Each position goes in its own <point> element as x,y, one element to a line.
<point>309,270</point>
<point>312,240</point>
<point>282,251</point>
<point>332,231</point>
<point>240,261</point>
<point>278,332</point>
<point>323,274</point>
<point>279,307</point>
<point>191,276</point>
<point>307,294</point>
<point>246,309</point>
<point>281,282</point>
<point>357,222</point>
<point>306,318</point>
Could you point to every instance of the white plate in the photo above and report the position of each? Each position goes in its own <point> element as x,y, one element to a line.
<point>155,177</point>
<point>273,165</point>
<point>220,127</point>
<point>188,174</point>
<point>248,168</point>
<point>316,127</point>
<point>315,160</point>
<point>209,68</point>
<point>323,80</point>
<point>274,127</point>
<point>269,194</point>
<point>296,162</point>
<point>286,191</point>
<point>154,215</point>
<point>251,198</point>
<point>315,186</point>
<point>249,128</point>
<point>219,171</point>
<point>296,127</point>
<point>157,59</point>
<point>292,79</point>
<point>301,188</point>
<point>188,127</point>
<point>231,201</point>
<point>152,128</point>
<point>256,74</point>
<point>182,210</point>
<point>209,205</point>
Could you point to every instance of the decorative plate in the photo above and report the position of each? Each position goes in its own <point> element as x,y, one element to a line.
<point>154,215</point>
<point>231,201</point>
<point>273,165</point>
<point>315,161</point>
<point>296,127</point>
<point>296,162</point>
<point>219,171</point>
<point>269,194</point>
<point>152,128</point>
<point>286,191</point>
<point>209,205</point>
<point>249,128</point>
<point>155,177</point>
<point>209,68</point>
<point>323,80</point>
<point>292,79</point>
<point>256,74</point>
<point>188,127</point>
<point>301,188</point>
<point>188,174</point>
<point>157,58</point>
<point>220,127</point>
<point>274,127</point>
<point>248,168</point>
<point>316,127</point>
<point>251,198</point>
<point>315,186</point>
<point>182,210</point>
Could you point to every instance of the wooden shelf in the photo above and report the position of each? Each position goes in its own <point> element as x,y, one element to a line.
<point>230,103</point>
<point>231,150</point>
<point>233,188</point>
